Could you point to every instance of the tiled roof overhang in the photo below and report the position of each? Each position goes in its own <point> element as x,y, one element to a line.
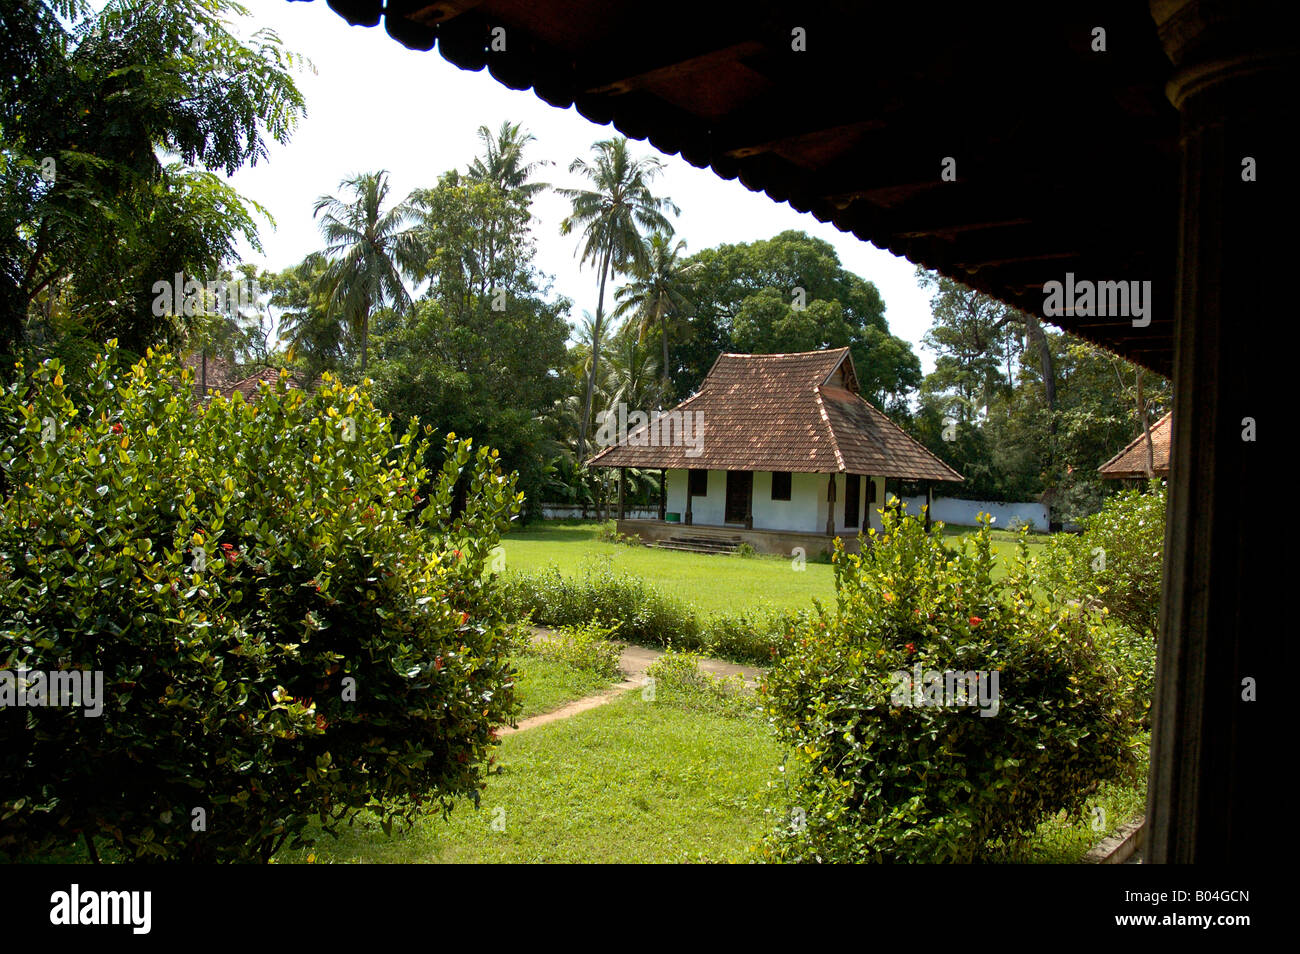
<point>1065,156</point>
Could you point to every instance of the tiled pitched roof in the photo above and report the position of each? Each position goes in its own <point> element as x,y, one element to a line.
<point>226,381</point>
<point>786,412</point>
<point>221,374</point>
<point>1132,460</point>
<point>248,386</point>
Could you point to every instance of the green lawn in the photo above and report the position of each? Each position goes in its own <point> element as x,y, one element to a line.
<point>715,584</point>
<point>638,781</point>
<point>631,781</point>
<point>546,684</point>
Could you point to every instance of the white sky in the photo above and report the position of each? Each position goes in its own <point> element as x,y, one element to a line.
<point>373,104</point>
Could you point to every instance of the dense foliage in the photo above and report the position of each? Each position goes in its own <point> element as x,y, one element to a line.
<point>884,770</point>
<point>641,613</point>
<point>286,626</point>
<point>1117,561</point>
<point>117,128</point>
<point>790,293</point>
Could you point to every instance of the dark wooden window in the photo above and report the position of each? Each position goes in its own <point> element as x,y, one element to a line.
<point>852,498</point>
<point>699,483</point>
<point>871,490</point>
<point>781,485</point>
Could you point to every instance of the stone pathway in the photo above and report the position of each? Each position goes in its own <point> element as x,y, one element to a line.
<point>634,661</point>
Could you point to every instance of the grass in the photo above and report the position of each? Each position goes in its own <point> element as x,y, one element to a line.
<point>714,584</point>
<point>631,781</point>
<point>669,780</point>
<point>547,684</point>
<point>1065,839</point>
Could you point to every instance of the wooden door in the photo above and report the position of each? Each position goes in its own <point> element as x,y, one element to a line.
<point>852,497</point>
<point>740,490</point>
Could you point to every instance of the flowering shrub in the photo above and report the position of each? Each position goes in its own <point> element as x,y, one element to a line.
<point>1117,562</point>
<point>895,760</point>
<point>286,626</point>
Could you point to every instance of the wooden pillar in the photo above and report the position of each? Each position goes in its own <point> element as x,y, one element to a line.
<point>688,520</point>
<point>929,504</point>
<point>622,490</point>
<point>830,507</point>
<point>663,494</point>
<point>1215,760</point>
<point>749,505</point>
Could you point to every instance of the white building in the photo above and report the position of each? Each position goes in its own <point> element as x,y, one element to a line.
<point>774,450</point>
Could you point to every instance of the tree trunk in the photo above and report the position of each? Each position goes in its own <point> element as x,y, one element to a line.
<point>1144,420</point>
<point>663,334</point>
<point>365,330</point>
<point>595,356</point>
<point>1039,338</point>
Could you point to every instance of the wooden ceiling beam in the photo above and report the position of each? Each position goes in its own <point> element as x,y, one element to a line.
<point>675,67</point>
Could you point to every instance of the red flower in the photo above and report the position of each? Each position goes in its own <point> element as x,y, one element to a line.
<point>975,621</point>
<point>464,618</point>
<point>911,648</point>
<point>457,553</point>
<point>437,663</point>
<point>117,428</point>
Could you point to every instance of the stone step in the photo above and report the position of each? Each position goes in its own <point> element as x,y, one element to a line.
<point>696,545</point>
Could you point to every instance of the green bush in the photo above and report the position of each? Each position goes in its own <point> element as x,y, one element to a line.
<point>1116,562</point>
<point>642,613</point>
<point>586,646</point>
<point>679,680</point>
<point>286,627</point>
<point>880,778</point>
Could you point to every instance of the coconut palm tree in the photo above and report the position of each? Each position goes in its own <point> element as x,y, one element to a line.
<point>657,292</point>
<point>502,163</point>
<point>633,375</point>
<point>502,166</point>
<point>369,248</point>
<point>610,216</point>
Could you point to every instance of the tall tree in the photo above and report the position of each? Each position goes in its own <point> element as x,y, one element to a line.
<point>113,125</point>
<point>502,166</point>
<point>610,216</point>
<point>657,292</point>
<point>482,352</point>
<point>502,162</point>
<point>969,334</point>
<point>369,247</point>
<point>790,293</point>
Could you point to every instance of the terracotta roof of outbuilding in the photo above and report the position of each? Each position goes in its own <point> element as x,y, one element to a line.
<point>782,412</point>
<point>225,381</point>
<point>1132,460</point>
<point>248,386</point>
